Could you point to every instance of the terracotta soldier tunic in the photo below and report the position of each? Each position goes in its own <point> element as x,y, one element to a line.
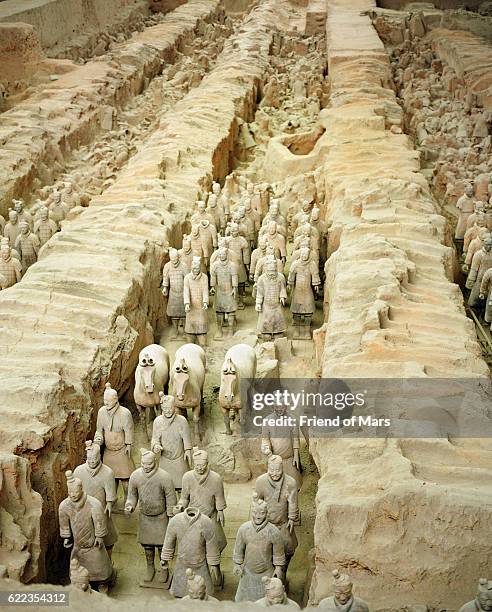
<point>100,483</point>
<point>354,605</point>
<point>281,499</point>
<point>12,270</point>
<point>174,436</point>
<point>465,206</point>
<point>84,521</point>
<point>173,281</point>
<point>195,293</point>
<point>482,261</point>
<point>115,429</point>
<point>271,319</point>
<point>239,245</point>
<point>156,497</point>
<point>207,494</point>
<point>263,603</point>
<point>11,231</point>
<point>224,277</point>
<point>44,230</point>
<point>194,535</point>
<point>27,245</point>
<point>258,548</point>
<point>303,276</point>
<point>282,441</point>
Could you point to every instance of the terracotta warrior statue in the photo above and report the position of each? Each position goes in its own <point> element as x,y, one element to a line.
<point>204,489</point>
<point>283,441</point>
<point>275,595</point>
<point>271,295</point>
<point>224,285</point>
<point>196,243</point>
<point>465,206</point>
<point>173,276</point>
<point>256,255</point>
<point>239,247</point>
<point>303,278</point>
<point>186,253</point>
<point>197,588</point>
<point>483,598</point>
<point>27,245</point>
<point>258,552</point>
<point>153,489</point>
<point>83,527</point>
<point>99,482</point>
<point>58,210</point>
<point>195,296</point>
<point>276,240</point>
<point>216,212</point>
<point>193,534</point>
<point>481,262</point>
<point>208,237</point>
<point>79,576</point>
<point>201,213</point>
<point>306,208</point>
<point>10,267</point>
<point>275,215</point>
<point>22,213</point>
<point>44,228</point>
<point>114,430</point>
<point>12,228</point>
<point>171,438</point>
<point>343,598</point>
<point>279,490</point>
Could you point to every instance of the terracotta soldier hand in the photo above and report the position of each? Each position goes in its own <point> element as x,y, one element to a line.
<point>99,543</point>
<point>481,296</point>
<point>187,456</point>
<point>258,307</point>
<point>164,564</point>
<point>128,450</point>
<point>164,291</point>
<point>279,572</point>
<point>205,306</point>
<point>234,292</point>
<point>108,509</point>
<point>177,509</point>
<point>215,575</point>
<point>67,543</point>
<point>289,287</point>
<point>157,448</point>
<point>220,517</point>
<point>295,460</point>
<point>128,509</point>
<point>212,290</point>
<point>465,268</point>
<point>290,525</point>
<point>238,570</point>
<point>251,278</point>
<point>282,301</point>
<point>187,308</point>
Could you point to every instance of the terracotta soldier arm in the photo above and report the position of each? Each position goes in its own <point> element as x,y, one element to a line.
<point>283,252</point>
<point>100,523</point>
<point>220,502</point>
<point>36,245</point>
<point>213,230</point>
<point>129,429</point>
<point>186,291</point>
<point>246,253</point>
<point>283,289</point>
<point>132,498</point>
<point>213,279</point>
<point>165,280</point>
<point>169,543</point>
<point>18,269</point>
<point>99,435</point>
<point>64,521</point>
<point>204,289</point>
<point>211,548</point>
<point>186,436</point>
<point>184,500</point>
<point>170,494</point>
<point>292,275</point>
<point>293,506</point>
<point>239,548</point>
<point>315,279</point>
<point>278,551</point>
<point>110,488</point>
<point>472,275</point>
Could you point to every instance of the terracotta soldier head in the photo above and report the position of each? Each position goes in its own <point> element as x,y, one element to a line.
<point>250,189</point>
<point>247,204</point>
<point>487,245</point>
<point>5,251</point>
<point>262,243</point>
<point>197,588</point>
<point>342,587</point>
<point>18,206</point>
<point>44,213</point>
<point>216,189</point>
<point>259,510</point>
<point>469,190</point>
<point>272,228</point>
<point>212,201</point>
<point>484,594</point>
<point>79,576</point>
<point>200,461</point>
<point>56,197</point>
<point>304,254</point>
<point>110,397</point>
<point>174,256</point>
<point>315,213</point>
<point>196,266</point>
<point>148,460</point>
<point>74,486</point>
<point>93,454</point>
<point>186,243</point>
<point>274,591</point>
<point>306,206</point>
<point>13,217</point>
<point>234,228</point>
<point>24,227</point>
<point>275,467</point>
<point>271,269</point>
<point>201,206</point>
<point>223,253</point>
<point>167,405</point>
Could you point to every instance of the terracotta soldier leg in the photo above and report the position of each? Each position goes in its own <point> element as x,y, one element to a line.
<point>227,421</point>
<point>162,574</point>
<point>296,325</point>
<point>174,330</point>
<point>190,338</point>
<point>196,422</point>
<point>220,323</point>
<point>232,323</point>
<point>201,339</point>
<point>241,294</point>
<point>149,557</point>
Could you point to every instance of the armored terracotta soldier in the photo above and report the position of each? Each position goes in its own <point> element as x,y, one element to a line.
<point>223,200</point>
<point>478,211</point>
<point>304,244</point>
<point>70,197</point>
<point>240,247</point>
<point>197,588</point>
<point>83,527</point>
<point>482,261</point>
<point>22,213</point>
<point>216,212</point>
<point>10,267</point>
<point>58,210</point>
<point>12,228</point>
<point>208,236</point>
<point>275,595</point>
<point>98,480</point>
<point>303,278</point>
<point>483,598</point>
<point>283,441</point>
<point>232,256</point>
<point>153,489</point>
<point>279,490</point>
<point>201,214</point>
<point>473,231</point>
<point>204,489</point>
<point>253,215</point>
<point>271,295</point>
<point>115,430</point>
<point>44,227</point>
<point>27,245</point>
<point>256,255</point>
<point>258,552</point>
<point>172,287</point>
<point>263,261</point>
<point>475,245</point>
<point>193,534</point>
<point>249,226</point>
<point>79,576</point>
<point>195,296</point>
<point>465,206</point>
<point>197,242</point>
<point>171,438</point>
<point>307,232</point>
<point>343,598</point>
<point>224,285</point>
<point>303,219</point>
<point>276,240</point>
<point>186,253</point>
<point>306,209</point>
